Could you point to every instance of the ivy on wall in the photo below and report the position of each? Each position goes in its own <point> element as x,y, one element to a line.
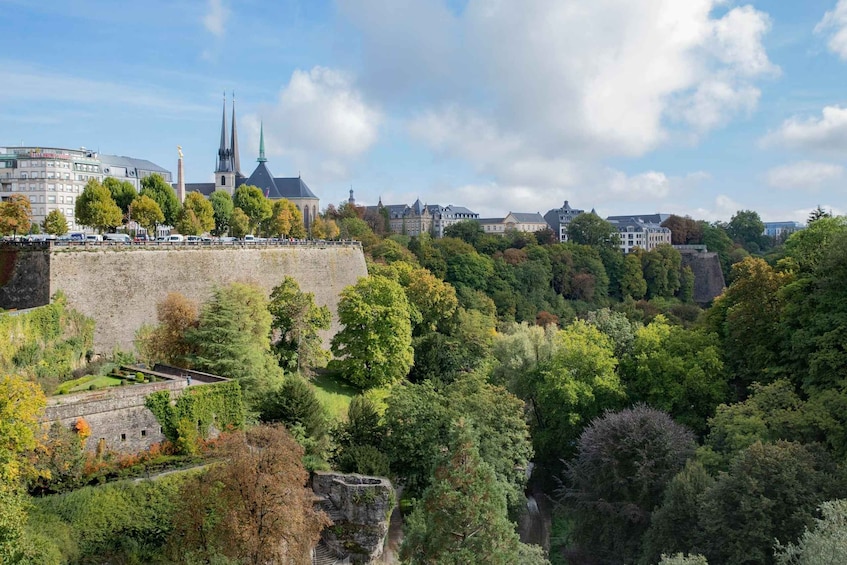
<point>46,343</point>
<point>194,412</point>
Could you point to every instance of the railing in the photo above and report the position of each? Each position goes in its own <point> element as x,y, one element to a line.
<point>169,244</point>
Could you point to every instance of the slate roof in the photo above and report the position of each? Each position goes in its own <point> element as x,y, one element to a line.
<point>647,218</point>
<point>132,163</point>
<point>277,187</point>
<point>204,188</point>
<point>527,218</point>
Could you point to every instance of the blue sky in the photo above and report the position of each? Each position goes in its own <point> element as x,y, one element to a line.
<point>701,107</point>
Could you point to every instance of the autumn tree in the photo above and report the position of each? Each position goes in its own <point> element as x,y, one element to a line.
<point>259,509</point>
<point>253,203</point>
<point>95,207</point>
<point>239,223</point>
<point>222,208</point>
<point>196,216</point>
<point>285,220</point>
<point>461,518</point>
<point>55,223</point>
<point>163,194</point>
<point>147,213</point>
<point>15,215</point>
<point>168,342</point>
<point>684,230</point>
<point>298,321</point>
<point>375,346</point>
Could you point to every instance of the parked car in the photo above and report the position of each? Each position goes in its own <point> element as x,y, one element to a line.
<point>93,237</point>
<point>40,237</point>
<point>192,239</point>
<point>117,237</point>
<point>175,238</point>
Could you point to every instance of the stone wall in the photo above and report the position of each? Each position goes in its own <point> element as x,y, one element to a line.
<point>119,286</point>
<point>24,276</point>
<point>708,276</point>
<point>117,415</point>
<point>360,508</point>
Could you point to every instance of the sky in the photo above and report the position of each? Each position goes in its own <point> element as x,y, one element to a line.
<point>694,107</point>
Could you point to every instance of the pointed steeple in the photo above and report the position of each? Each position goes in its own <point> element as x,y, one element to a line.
<point>261,158</point>
<point>233,144</point>
<point>224,163</point>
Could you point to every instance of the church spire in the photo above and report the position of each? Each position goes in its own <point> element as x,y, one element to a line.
<point>236,162</point>
<point>224,163</point>
<point>261,158</point>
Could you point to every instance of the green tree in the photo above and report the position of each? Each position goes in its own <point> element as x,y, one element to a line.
<point>196,216</point>
<point>95,207</point>
<point>239,223</point>
<point>55,223</point>
<point>770,493</point>
<point>375,346</point>
<point>232,338</point>
<point>298,320</point>
<point>591,229</point>
<point>461,518</point>
<point>222,208</point>
<point>747,228</point>
<point>147,213</point>
<point>577,384</point>
<point>717,241</point>
<point>159,190</point>
<point>15,215</point>
<point>469,231</point>
<point>661,271</point>
<point>253,203</point>
<point>624,461</point>
<point>295,404</point>
<point>279,222</point>
<point>817,214</point>
<point>825,543</point>
<point>633,284</point>
<point>123,193</point>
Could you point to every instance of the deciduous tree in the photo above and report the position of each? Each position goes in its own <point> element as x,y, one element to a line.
<point>95,207</point>
<point>196,216</point>
<point>298,320</point>
<point>147,213</point>
<point>239,223</point>
<point>222,208</point>
<point>252,202</point>
<point>123,193</point>
<point>159,190</point>
<point>55,223</point>
<point>15,215</point>
<point>591,229</point>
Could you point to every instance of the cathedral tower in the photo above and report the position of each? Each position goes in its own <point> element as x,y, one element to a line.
<point>228,163</point>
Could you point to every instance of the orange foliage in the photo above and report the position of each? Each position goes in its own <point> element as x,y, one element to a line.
<point>82,429</point>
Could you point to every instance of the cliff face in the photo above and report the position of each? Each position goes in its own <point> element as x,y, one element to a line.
<point>119,286</point>
<point>708,276</point>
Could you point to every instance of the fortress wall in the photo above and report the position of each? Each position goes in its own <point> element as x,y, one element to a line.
<point>24,276</point>
<point>708,276</point>
<point>120,286</point>
<point>116,415</point>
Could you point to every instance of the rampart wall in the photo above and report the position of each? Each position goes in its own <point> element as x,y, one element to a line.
<point>708,276</point>
<point>119,286</point>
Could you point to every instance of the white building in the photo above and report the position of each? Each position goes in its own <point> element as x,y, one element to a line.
<point>514,221</point>
<point>53,178</point>
<point>639,232</point>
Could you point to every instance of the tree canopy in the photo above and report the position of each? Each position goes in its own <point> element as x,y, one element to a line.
<point>163,194</point>
<point>95,207</point>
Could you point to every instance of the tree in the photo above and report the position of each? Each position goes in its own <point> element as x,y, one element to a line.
<point>232,338</point>
<point>123,193</point>
<point>332,230</point>
<point>239,223</point>
<point>147,213</point>
<point>661,270</point>
<point>817,214</point>
<point>253,507</point>
<point>95,207</point>
<point>55,223</point>
<point>298,320</point>
<point>15,215</point>
<point>296,405</point>
<point>279,223</point>
<point>168,342</point>
<point>684,230</point>
<point>461,518</point>
<point>632,283</point>
<point>196,216</point>
<point>624,461</point>
<point>824,544</point>
<point>591,229</point>
<point>253,203</point>
<point>156,188</point>
<point>375,346</point>
<point>469,231</point>
<point>770,493</point>
<point>222,208</point>
<point>577,384</point>
<point>747,228</point>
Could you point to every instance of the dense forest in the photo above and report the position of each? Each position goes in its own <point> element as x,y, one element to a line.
<point>658,429</point>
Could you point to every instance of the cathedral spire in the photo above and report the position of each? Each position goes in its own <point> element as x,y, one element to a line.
<point>233,145</point>
<point>224,163</point>
<point>261,158</point>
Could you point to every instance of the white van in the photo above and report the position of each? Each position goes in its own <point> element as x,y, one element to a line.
<point>117,238</point>
<point>92,237</point>
<point>174,238</point>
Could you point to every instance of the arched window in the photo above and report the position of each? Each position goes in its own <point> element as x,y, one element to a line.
<point>223,180</point>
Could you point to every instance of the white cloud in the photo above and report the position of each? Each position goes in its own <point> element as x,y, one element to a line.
<point>538,93</point>
<point>834,24</point>
<point>827,133</point>
<point>806,175</point>
<point>215,19</point>
<point>320,122</point>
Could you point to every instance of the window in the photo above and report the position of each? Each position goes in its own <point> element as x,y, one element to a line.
<point>144,432</point>
<point>223,180</point>
<point>23,175</point>
<point>51,199</point>
<point>123,437</point>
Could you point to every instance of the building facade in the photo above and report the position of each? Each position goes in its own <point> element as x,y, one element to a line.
<point>53,178</point>
<point>559,218</point>
<point>514,221</point>
<point>228,174</point>
<point>779,230</point>
<point>638,233</point>
<point>422,218</point>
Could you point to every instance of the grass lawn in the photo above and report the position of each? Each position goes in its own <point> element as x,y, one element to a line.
<point>334,393</point>
<point>84,383</point>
